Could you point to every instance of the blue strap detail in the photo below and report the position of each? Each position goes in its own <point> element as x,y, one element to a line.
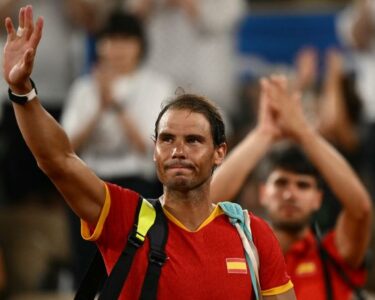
<point>235,214</point>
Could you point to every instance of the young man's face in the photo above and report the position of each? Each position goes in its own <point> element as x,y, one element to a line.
<point>184,152</point>
<point>290,199</point>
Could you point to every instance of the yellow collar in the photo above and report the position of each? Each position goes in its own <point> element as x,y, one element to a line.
<point>216,212</point>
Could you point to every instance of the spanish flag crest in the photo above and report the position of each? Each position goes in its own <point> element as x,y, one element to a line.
<point>236,265</point>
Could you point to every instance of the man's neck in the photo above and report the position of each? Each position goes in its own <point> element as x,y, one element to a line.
<point>287,239</point>
<point>191,208</point>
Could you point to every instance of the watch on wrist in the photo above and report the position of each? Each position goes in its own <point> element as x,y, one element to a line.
<point>23,99</point>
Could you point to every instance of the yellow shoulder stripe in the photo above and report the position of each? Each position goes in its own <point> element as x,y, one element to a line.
<point>278,290</point>
<point>85,229</point>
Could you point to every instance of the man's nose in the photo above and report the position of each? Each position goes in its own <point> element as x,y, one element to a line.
<point>178,150</point>
<point>287,193</point>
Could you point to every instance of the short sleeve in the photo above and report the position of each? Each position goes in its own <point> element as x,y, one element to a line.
<point>116,219</point>
<point>273,276</point>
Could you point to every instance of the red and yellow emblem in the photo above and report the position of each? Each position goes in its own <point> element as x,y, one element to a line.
<point>236,265</point>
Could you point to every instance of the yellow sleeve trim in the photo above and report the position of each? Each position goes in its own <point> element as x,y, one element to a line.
<point>278,290</point>
<point>85,229</point>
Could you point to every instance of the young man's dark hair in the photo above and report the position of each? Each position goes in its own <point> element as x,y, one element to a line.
<point>291,158</point>
<point>197,104</point>
<point>127,25</point>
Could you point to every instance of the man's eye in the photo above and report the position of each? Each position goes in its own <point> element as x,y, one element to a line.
<point>281,183</point>
<point>194,139</point>
<point>166,138</point>
<point>304,185</point>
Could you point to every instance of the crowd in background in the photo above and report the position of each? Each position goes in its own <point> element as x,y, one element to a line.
<point>99,88</point>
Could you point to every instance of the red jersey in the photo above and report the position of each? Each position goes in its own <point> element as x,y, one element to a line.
<point>305,268</point>
<point>208,263</point>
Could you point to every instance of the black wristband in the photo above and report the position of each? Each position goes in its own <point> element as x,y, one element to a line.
<point>23,99</point>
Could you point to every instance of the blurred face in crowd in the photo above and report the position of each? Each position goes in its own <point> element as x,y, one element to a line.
<point>120,53</point>
<point>290,199</point>
<point>185,154</point>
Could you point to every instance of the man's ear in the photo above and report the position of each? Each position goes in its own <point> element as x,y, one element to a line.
<point>220,153</point>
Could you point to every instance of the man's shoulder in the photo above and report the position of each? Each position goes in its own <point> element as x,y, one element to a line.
<point>120,194</point>
<point>258,223</point>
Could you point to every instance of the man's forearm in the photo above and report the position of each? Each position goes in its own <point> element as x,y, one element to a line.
<point>337,173</point>
<point>237,166</point>
<point>42,133</point>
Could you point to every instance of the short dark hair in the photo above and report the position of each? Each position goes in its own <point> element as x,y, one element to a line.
<point>124,24</point>
<point>197,104</point>
<point>291,158</point>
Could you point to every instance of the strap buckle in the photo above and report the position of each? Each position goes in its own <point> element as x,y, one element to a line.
<point>157,257</point>
<point>134,241</point>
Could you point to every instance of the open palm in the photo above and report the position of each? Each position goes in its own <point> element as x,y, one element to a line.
<point>19,50</point>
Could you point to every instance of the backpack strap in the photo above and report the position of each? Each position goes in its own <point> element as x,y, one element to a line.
<point>94,278</point>
<point>327,258</point>
<point>240,219</point>
<point>145,216</point>
<point>158,235</point>
<point>115,282</point>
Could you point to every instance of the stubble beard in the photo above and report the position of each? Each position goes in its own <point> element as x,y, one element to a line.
<point>291,227</point>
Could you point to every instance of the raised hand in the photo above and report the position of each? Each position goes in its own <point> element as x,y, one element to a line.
<point>20,50</point>
<point>267,122</point>
<point>287,107</point>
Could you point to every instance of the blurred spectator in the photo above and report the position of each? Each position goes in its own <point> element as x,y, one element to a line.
<point>109,116</point>
<point>340,109</point>
<point>193,42</point>
<point>356,26</point>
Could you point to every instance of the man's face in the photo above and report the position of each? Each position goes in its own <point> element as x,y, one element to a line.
<point>290,199</point>
<point>184,152</point>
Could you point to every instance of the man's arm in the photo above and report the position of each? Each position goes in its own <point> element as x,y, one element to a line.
<point>81,188</point>
<point>245,156</point>
<point>353,225</point>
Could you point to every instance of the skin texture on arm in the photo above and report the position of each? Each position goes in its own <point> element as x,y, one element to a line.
<point>353,225</point>
<point>81,188</point>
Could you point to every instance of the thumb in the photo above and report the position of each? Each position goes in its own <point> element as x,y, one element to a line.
<point>28,58</point>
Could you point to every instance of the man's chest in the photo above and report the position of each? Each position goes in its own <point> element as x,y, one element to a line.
<point>208,264</point>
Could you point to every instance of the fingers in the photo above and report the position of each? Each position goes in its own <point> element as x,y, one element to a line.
<point>21,22</point>
<point>29,24</point>
<point>21,17</point>
<point>26,28</point>
<point>10,29</point>
<point>37,33</point>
